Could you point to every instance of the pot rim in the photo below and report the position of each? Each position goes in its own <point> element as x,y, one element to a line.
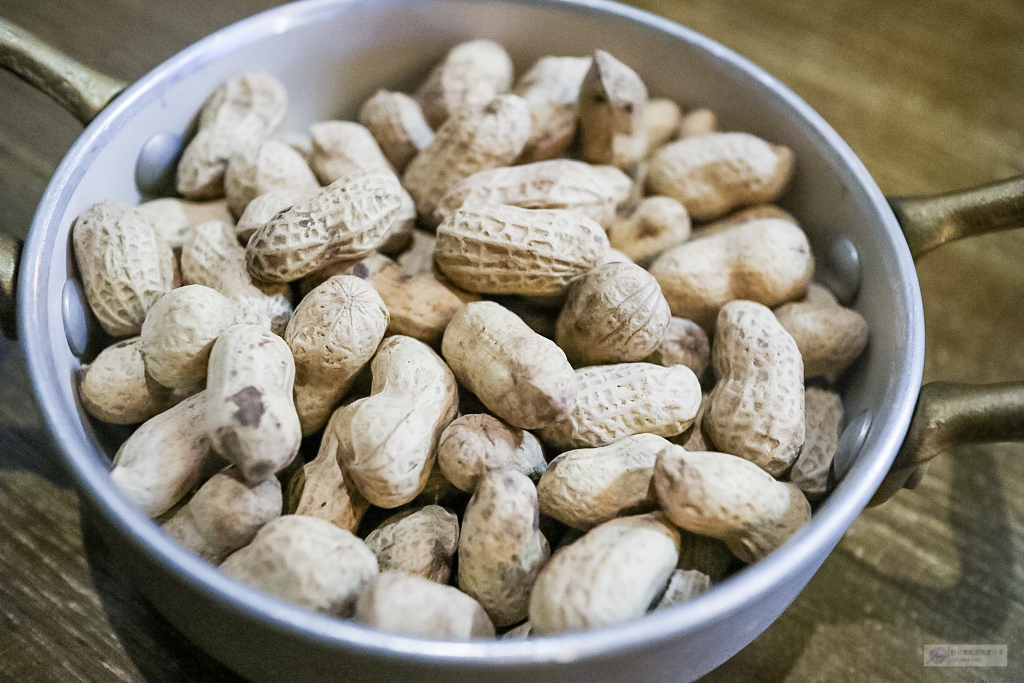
<point>739,592</point>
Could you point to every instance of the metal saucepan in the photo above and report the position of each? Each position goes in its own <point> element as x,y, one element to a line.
<point>332,54</point>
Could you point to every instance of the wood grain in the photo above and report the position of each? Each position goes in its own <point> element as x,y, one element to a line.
<point>928,94</point>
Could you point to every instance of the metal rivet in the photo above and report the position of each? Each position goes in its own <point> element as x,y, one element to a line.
<point>850,443</point>
<point>76,317</point>
<point>839,270</point>
<point>157,163</point>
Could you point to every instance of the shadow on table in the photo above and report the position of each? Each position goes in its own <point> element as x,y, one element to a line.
<point>160,652</point>
<point>974,607</point>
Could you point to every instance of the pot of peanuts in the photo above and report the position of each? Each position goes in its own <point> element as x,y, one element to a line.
<point>526,355</point>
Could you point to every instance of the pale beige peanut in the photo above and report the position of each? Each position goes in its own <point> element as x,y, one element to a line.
<point>334,332</point>
<point>509,250</point>
<point>470,76</point>
<point>300,142</point>
<point>172,217</point>
<point>343,147</point>
<point>259,169</point>
<point>474,444</point>
<point>472,140</point>
<point>321,489</point>
<point>343,222</point>
<point>520,376</point>
<point>387,441</point>
<point>551,89</point>
<point>125,263</point>
<point>421,542</point>
<point>306,561</point>
<point>421,306</point>
<point>166,457</point>
<point>659,223</point>
<point>594,191</point>
<point>614,313</point>
<point>767,260</point>
<point>250,412</point>
<point>698,122</point>
<point>179,333</point>
<point>612,113</point>
<point>396,602</point>
<point>685,585</point>
<point>609,576</point>
<point>616,401</point>
<point>240,113</point>
<point>224,515</point>
<point>823,415</point>
<point>211,256</point>
<point>684,343</point>
<point>663,118</point>
<point>829,336</point>
<point>589,486</point>
<point>263,208</point>
<point>756,410</point>
<point>396,122</point>
<point>502,550</point>
<point>713,174</point>
<point>115,387</point>
<point>745,215</point>
<point>728,498</point>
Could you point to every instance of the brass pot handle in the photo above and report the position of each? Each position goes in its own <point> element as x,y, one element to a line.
<point>81,91</point>
<point>952,413</point>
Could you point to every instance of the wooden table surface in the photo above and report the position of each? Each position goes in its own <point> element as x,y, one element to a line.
<point>929,93</point>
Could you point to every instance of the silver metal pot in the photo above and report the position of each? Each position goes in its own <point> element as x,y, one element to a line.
<point>332,54</point>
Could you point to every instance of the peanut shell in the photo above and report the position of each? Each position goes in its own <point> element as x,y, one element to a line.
<point>474,444</point>
<point>396,122</point>
<point>470,76</point>
<point>395,602</point>
<point>612,112</point>
<point>422,543</point>
<point>551,89</point>
<point>115,387</point>
<point>262,168</point>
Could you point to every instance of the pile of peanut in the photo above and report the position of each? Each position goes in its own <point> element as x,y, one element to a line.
<point>484,308</point>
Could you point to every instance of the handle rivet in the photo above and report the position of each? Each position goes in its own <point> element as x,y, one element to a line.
<point>157,163</point>
<point>76,317</point>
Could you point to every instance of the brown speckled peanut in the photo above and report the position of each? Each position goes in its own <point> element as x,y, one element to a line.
<point>306,561</point>
<point>713,174</point>
<point>470,76</point>
<point>343,222</point>
<point>212,257</point>
<point>522,377</point>
<point>421,542</point>
<point>594,191</point>
<point>472,140</point>
<point>387,442</point>
<point>126,265</point>
<point>396,122</point>
<point>684,343</point>
<point>263,208</point>
<point>250,412</point>
<point>658,223</point>
<point>509,250</point>
<point>334,332</point>
<point>551,89</point>
<point>115,387</point>
<point>396,602</point>
<point>241,113</point>
<point>768,261</point>
<point>259,169</point>
<point>663,117</point>
<point>616,401</point>
<point>612,111</point>
<point>343,147</point>
<point>829,336</point>
<point>172,217</point>
<point>823,414</point>
<point>474,444</point>
<point>589,486</point>
<point>502,550</point>
<point>179,332</point>
<point>614,313</point>
<point>166,457</point>
<point>728,498</point>
<point>224,515</point>
<point>609,576</point>
<point>756,410</point>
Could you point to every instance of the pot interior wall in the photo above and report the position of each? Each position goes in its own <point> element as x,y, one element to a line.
<point>332,56</point>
